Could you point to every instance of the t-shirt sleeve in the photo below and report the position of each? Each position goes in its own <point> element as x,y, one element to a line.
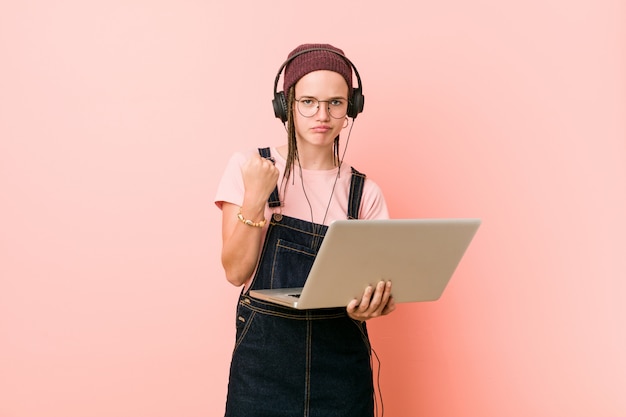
<point>373,204</point>
<point>230,188</point>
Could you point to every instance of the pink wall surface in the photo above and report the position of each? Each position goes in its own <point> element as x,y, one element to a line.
<point>116,119</point>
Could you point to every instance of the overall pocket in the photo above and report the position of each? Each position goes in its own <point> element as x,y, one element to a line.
<point>291,264</point>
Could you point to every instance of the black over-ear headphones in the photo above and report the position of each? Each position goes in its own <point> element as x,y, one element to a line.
<point>356,102</point>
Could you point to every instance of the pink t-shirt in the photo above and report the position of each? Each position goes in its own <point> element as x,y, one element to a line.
<point>309,196</point>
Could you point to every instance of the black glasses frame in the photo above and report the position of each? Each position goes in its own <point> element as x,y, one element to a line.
<point>318,106</point>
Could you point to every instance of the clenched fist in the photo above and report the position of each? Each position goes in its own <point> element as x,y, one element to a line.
<point>259,179</point>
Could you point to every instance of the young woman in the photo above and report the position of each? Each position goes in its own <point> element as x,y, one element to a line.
<point>277,203</point>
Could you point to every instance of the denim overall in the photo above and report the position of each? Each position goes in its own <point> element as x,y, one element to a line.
<point>292,363</point>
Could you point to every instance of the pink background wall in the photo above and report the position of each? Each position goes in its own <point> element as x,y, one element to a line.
<point>116,119</point>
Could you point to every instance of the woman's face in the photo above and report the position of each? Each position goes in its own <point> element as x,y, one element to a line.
<point>330,90</point>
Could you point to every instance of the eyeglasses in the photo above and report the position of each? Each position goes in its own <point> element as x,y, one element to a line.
<point>309,106</point>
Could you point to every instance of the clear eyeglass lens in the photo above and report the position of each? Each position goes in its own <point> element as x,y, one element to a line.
<point>309,106</point>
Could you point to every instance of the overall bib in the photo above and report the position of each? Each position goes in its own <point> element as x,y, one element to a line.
<point>292,363</point>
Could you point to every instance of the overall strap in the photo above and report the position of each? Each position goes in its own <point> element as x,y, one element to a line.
<point>356,192</point>
<point>274,200</point>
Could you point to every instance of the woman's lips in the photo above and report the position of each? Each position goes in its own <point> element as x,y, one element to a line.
<point>321,128</point>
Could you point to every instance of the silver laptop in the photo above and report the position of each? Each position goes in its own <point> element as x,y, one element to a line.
<point>419,256</point>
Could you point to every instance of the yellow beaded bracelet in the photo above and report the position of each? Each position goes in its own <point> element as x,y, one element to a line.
<point>250,222</point>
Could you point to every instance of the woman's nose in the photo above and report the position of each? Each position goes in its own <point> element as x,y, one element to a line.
<point>323,112</point>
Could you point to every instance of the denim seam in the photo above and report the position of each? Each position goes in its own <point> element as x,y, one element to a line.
<point>297,315</point>
<point>313,234</point>
<point>291,248</point>
<point>307,373</point>
<point>245,329</point>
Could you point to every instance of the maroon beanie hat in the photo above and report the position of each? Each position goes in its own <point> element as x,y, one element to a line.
<point>311,61</point>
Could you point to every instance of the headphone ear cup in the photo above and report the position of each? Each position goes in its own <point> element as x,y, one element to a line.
<point>357,103</point>
<point>280,106</point>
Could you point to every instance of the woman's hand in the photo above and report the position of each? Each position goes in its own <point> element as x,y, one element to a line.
<point>374,303</point>
<point>259,179</point>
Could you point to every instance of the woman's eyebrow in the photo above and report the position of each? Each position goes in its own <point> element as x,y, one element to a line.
<point>330,98</point>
